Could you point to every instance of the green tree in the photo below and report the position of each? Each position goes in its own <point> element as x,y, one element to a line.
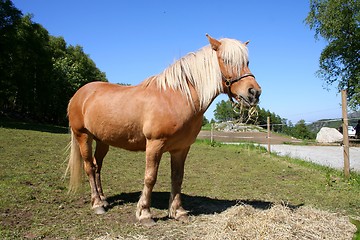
<point>276,122</point>
<point>224,111</point>
<point>338,21</point>
<point>300,130</point>
<point>25,66</point>
<point>205,121</point>
<point>262,118</point>
<point>71,69</point>
<point>9,19</point>
<point>9,14</point>
<point>39,73</point>
<point>33,69</point>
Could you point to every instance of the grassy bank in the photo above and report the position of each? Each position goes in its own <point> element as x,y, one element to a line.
<point>34,202</point>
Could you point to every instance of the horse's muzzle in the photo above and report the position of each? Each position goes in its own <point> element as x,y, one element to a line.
<point>252,98</point>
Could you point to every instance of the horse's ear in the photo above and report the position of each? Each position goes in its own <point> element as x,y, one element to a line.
<point>215,44</point>
<point>247,42</point>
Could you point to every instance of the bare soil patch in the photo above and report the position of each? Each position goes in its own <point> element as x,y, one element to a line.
<point>256,137</point>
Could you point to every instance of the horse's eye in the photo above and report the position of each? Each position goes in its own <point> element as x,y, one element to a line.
<point>247,64</point>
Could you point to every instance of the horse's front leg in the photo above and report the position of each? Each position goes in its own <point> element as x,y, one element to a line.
<point>153,156</point>
<point>176,210</point>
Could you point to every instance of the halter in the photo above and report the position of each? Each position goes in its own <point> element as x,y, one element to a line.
<point>229,82</point>
<point>252,113</point>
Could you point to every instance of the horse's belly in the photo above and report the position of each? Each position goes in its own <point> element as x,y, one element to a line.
<point>126,139</point>
<point>132,144</point>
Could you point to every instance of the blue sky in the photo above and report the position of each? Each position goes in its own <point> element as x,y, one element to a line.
<point>132,40</point>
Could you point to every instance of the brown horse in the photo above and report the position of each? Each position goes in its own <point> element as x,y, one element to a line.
<point>162,114</point>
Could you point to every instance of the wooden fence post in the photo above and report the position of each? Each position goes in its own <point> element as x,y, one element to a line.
<point>268,134</point>
<point>345,134</point>
<point>212,133</point>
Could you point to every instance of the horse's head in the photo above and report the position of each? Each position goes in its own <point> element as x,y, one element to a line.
<point>238,81</point>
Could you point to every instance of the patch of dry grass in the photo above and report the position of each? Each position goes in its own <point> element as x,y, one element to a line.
<point>278,222</point>
<point>246,222</point>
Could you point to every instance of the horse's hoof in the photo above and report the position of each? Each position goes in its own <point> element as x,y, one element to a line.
<point>147,222</point>
<point>105,203</point>
<point>99,210</point>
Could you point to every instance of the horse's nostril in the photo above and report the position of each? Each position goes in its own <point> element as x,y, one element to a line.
<point>252,91</point>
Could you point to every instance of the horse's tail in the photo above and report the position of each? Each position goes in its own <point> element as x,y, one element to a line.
<point>74,165</point>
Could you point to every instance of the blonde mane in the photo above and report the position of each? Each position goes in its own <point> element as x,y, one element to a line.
<point>201,70</point>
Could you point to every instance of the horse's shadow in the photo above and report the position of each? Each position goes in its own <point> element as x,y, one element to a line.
<point>196,205</point>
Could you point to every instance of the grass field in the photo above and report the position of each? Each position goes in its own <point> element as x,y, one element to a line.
<point>34,203</point>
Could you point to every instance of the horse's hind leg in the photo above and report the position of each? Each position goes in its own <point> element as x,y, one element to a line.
<point>176,210</point>
<point>85,145</point>
<point>100,152</point>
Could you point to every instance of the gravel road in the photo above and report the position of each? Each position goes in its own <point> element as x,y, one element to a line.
<point>331,156</point>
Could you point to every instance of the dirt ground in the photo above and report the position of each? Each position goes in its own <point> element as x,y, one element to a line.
<point>330,155</point>
<point>255,137</point>
<point>259,137</point>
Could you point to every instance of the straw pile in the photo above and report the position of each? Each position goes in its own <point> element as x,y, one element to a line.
<point>278,222</point>
<point>246,222</point>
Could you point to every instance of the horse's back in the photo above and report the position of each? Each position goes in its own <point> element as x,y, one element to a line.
<point>95,87</point>
<point>95,92</point>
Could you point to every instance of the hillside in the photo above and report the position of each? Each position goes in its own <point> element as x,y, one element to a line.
<point>334,123</point>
